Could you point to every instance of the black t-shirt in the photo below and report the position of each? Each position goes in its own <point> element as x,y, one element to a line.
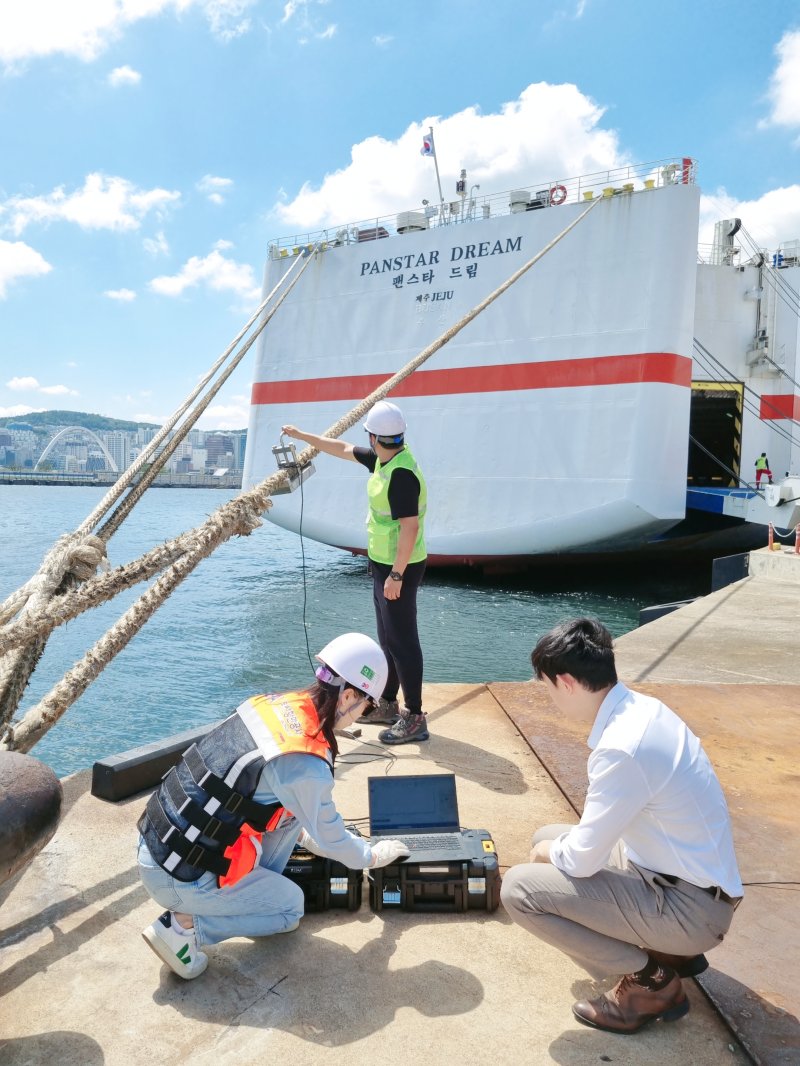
<point>403,485</point>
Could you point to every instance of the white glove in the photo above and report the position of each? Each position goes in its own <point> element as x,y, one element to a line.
<point>388,851</point>
<point>305,840</point>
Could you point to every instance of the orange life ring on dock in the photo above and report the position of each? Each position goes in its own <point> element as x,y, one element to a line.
<point>558,194</point>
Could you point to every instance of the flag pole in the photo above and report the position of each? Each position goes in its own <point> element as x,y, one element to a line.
<point>436,163</point>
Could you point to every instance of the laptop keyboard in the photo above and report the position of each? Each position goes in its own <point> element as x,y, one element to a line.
<point>434,842</point>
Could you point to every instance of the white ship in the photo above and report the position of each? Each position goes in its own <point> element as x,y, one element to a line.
<point>614,399</point>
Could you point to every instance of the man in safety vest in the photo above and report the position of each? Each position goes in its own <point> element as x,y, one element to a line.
<point>762,468</point>
<point>219,830</point>
<point>396,548</point>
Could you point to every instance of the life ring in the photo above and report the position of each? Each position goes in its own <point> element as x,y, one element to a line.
<point>558,194</point>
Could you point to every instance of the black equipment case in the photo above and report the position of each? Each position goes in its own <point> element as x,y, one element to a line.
<point>441,886</point>
<point>325,883</point>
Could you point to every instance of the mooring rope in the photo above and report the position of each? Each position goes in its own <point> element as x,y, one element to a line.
<point>238,516</point>
<point>58,570</point>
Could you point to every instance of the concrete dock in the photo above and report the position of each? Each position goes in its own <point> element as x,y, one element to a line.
<point>79,985</point>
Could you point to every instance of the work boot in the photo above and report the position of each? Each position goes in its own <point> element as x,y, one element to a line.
<point>683,965</point>
<point>178,949</point>
<point>383,713</point>
<point>633,1002</point>
<point>409,728</point>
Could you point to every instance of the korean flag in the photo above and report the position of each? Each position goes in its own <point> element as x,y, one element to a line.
<point>427,145</point>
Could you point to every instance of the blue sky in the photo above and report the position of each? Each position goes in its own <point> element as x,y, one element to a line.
<point>150,149</point>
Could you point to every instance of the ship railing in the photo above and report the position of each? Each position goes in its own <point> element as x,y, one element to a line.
<point>469,207</point>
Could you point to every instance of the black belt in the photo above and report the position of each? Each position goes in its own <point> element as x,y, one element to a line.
<point>712,890</point>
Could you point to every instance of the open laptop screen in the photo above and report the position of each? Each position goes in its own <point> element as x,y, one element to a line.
<point>415,803</point>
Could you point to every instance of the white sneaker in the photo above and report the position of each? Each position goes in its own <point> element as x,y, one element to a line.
<point>178,950</point>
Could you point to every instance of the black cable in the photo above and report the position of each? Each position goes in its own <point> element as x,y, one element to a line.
<point>722,465</point>
<point>716,375</point>
<point>303,557</point>
<point>355,758</point>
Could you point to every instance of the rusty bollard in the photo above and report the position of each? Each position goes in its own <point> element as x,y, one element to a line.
<point>30,806</point>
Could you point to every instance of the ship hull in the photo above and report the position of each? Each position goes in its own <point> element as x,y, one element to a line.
<point>556,424</point>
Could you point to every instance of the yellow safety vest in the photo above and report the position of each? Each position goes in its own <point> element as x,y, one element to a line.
<point>382,529</point>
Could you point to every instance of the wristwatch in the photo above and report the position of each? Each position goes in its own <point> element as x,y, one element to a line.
<point>396,575</point>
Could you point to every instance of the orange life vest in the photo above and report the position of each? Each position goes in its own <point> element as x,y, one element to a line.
<point>213,785</point>
<point>292,726</point>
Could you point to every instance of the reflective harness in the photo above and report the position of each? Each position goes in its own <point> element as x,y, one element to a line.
<point>383,531</point>
<point>203,818</point>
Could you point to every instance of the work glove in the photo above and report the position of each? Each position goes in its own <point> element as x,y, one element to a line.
<point>388,851</point>
<point>305,840</point>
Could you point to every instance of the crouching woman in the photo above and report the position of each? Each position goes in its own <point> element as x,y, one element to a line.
<point>218,832</point>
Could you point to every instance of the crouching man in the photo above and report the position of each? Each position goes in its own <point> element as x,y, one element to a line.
<point>647,880</point>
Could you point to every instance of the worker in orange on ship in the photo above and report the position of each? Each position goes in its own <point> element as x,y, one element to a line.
<point>218,832</point>
<point>397,497</point>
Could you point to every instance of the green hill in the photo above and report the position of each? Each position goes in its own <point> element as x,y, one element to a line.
<point>76,418</point>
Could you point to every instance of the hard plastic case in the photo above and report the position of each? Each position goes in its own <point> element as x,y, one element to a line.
<point>468,885</point>
<point>326,884</point>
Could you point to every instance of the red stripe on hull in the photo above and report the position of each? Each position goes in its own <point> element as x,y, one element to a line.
<point>664,367</point>
<point>775,407</point>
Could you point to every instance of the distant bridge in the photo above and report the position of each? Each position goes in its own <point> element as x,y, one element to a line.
<point>70,431</point>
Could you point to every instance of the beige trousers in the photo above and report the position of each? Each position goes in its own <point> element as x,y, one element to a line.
<point>606,922</point>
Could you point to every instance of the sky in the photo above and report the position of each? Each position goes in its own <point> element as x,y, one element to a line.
<point>151,149</point>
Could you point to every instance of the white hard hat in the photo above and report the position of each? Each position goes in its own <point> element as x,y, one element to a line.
<point>385,420</point>
<point>359,660</point>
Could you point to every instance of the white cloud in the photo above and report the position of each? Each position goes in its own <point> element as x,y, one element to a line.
<point>124,76</point>
<point>17,410</point>
<point>290,9</point>
<point>124,295</point>
<point>84,30</point>
<point>212,188</point>
<point>157,245</point>
<point>58,390</point>
<point>784,93</point>
<point>103,203</point>
<point>148,416</point>
<point>550,132</point>
<point>30,384</point>
<point>770,220</point>
<point>22,384</point>
<point>303,12</point>
<point>225,18</point>
<point>215,271</point>
<point>19,260</point>
<point>381,40</point>
<point>233,414</point>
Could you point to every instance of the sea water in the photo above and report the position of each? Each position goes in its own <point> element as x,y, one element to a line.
<point>238,624</point>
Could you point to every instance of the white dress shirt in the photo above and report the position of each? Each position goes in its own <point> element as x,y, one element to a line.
<point>652,787</point>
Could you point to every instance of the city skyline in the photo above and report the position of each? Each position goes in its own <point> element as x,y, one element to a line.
<point>78,449</point>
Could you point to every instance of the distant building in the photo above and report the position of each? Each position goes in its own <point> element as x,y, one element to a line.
<point>118,446</point>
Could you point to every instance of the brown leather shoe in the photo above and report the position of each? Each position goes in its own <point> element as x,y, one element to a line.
<point>683,965</point>
<point>630,1005</point>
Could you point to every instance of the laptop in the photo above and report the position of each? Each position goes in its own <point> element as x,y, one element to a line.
<point>422,811</point>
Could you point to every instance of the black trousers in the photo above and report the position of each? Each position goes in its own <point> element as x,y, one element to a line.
<point>397,633</point>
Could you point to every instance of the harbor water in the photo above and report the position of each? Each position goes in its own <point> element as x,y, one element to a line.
<point>238,624</point>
